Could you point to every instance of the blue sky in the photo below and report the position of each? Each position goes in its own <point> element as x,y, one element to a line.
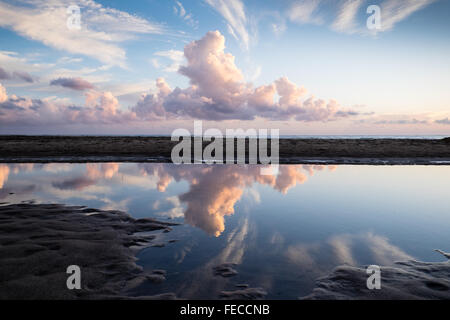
<point>336,75</point>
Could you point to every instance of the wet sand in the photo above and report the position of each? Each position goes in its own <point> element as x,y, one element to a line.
<point>409,280</point>
<point>158,149</point>
<point>39,241</point>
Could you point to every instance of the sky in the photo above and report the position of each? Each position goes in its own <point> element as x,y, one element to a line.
<point>305,67</point>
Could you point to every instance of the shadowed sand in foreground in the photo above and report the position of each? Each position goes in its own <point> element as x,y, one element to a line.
<point>405,281</point>
<point>141,149</point>
<point>39,241</point>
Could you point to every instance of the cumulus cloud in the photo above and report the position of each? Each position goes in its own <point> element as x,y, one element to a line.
<point>72,83</point>
<point>3,95</point>
<point>102,29</point>
<point>218,91</point>
<point>101,107</point>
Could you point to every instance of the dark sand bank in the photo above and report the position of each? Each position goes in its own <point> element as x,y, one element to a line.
<point>39,241</point>
<point>142,149</point>
<point>408,280</point>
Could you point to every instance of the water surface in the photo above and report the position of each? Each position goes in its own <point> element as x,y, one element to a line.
<point>283,231</point>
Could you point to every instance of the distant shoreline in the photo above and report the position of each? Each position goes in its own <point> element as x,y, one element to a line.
<point>282,136</point>
<point>386,151</point>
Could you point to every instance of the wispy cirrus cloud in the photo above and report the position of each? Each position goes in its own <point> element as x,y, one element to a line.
<point>180,11</point>
<point>14,61</point>
<point>305,12</point>
<point>349,16</point>
<point>102,29</point>
<point>346,17</point>
<point>394,11</point>
<point>233,11</point>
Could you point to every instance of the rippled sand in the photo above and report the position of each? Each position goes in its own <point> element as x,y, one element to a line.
<point>39,241</point>
<point>409,280</point>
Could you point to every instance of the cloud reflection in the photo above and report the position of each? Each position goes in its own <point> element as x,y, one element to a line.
<point>212,194</point>
<point>342,249</point>
<point>4,172</point>
<point>214,190</point>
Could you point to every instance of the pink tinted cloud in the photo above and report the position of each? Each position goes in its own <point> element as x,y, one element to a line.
<point>218,91</point>
<point>3,95</point>
<point>103,108</point>
<point>209,202</point>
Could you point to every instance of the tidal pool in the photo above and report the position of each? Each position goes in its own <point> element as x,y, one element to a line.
<point>281,231</point>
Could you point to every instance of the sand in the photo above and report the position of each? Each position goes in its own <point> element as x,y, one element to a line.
<point>225,270</point>
<point>244,294</point>
<point>158,149</point>
<point>39,241</point>
<point>408,280</point>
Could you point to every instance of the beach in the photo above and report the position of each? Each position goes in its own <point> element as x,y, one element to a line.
<point>158,149</point>
<point>40,241</point>
<point>406,280</point>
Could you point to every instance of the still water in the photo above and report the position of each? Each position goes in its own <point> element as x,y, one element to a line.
<point>282,231</point>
